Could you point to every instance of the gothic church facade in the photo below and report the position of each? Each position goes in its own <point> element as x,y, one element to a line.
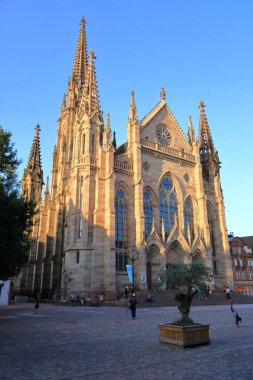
<point>156,197</point>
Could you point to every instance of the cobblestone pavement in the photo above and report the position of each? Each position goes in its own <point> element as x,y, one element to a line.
<point>96,343</point>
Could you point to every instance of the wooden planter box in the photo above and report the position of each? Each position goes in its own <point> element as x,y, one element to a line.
<point>185,336</point>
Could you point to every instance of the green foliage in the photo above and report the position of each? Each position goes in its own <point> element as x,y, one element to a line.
<point>8,163</point>
<point>182,277</point>
<point>15,213</point>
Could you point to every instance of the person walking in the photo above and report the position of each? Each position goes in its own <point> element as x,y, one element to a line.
<point>132,305</point>
<point>228,293</point>
<point>37,304</point>
<point>126,292</point>
<point>235,314</point>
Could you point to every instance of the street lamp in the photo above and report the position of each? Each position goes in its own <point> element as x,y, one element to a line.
<point>133,256</point>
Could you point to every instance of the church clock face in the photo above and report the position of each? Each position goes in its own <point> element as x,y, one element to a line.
<point>163,136</point>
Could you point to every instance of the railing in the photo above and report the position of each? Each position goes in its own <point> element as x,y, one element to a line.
<point>82,161</point>
<point>172,152</point>
<point>123,166</point>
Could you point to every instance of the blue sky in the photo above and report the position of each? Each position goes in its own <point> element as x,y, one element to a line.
<point>196,49</point>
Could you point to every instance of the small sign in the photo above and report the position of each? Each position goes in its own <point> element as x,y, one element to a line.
<point>143,279</point>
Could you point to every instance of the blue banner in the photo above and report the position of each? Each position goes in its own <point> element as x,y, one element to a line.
<point>130,273</point>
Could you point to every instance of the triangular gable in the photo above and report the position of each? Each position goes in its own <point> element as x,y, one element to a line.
<point>161,114</point>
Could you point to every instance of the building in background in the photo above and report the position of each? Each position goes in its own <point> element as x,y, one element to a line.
<point>156,197</point>
<point>241,250</point>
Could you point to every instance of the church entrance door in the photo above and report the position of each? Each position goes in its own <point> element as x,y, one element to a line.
<point>154,265</point>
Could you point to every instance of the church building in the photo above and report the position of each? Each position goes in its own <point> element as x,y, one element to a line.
<point>147,202</point>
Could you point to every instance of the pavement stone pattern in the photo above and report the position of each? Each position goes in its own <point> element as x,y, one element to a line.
<point>100,343</point>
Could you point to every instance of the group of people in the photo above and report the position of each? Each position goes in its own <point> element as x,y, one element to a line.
<point>77,300</point>
<point>82,300</point>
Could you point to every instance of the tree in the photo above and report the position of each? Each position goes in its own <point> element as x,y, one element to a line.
<point>183,277</point>
<point>15,213</point>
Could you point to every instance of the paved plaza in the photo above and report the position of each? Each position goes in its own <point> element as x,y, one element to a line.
<point>94,343</point>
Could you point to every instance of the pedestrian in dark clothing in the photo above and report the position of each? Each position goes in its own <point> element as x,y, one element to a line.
<point>132,306</point>
<point>37,304</point>
<point>132,289</point>
<point>126,291</point>
<point>235,314</point>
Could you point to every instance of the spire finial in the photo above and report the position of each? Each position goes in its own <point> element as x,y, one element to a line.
<point>133,110</point>
<point>201,105</point>
<point>162,93</point>
<point>191,133</point>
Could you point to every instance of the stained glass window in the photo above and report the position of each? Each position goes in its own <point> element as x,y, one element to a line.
<point>148,212</point>
<point>168,205</point>
<point>188,221</point>
<point>121,219</point>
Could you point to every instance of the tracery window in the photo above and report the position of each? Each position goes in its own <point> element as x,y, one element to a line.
<point>212,241</point>
<point>168,205</point>
<point>83,143</point>
<point>92,144</point>
<point>121,228</point>
<point>80,208</point>
<point>148,212</point>
<point>188,221</point>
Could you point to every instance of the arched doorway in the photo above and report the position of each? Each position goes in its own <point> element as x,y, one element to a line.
<point>196,255</point>
<point>174,252</point>
<point>154,265</point>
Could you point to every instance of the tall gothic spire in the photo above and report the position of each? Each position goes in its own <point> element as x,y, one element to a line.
<point>90,97</point>
<point>80,61</point>
<point>191,133</point>
<point>132,109</point>
<point>34,160</point>
<point>205,137</point>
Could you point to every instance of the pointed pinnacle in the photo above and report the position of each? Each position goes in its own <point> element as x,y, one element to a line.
<point>162,93</point>
<point>34,157</point>
<point>201,105</point>
<point>108,122</point>
<point>191,133</point>
<point>133,110</point>
<point>132,102</point>
<point>47,186</point>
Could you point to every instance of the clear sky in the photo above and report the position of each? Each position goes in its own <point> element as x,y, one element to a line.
<point>196,49</point>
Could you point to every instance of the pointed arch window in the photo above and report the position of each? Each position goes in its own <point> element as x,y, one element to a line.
<point>121,219</point>
<point>173,209</point>
<point>71,150</point>
<point>121,229</point>
<point>92,144</point>
<point>83,143</point>
<point>80,208</point>
<point>63,150</point>
<point>148,212</point>
<point>168,205</point>
<point>188,221</point>
<point>212,240</point>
